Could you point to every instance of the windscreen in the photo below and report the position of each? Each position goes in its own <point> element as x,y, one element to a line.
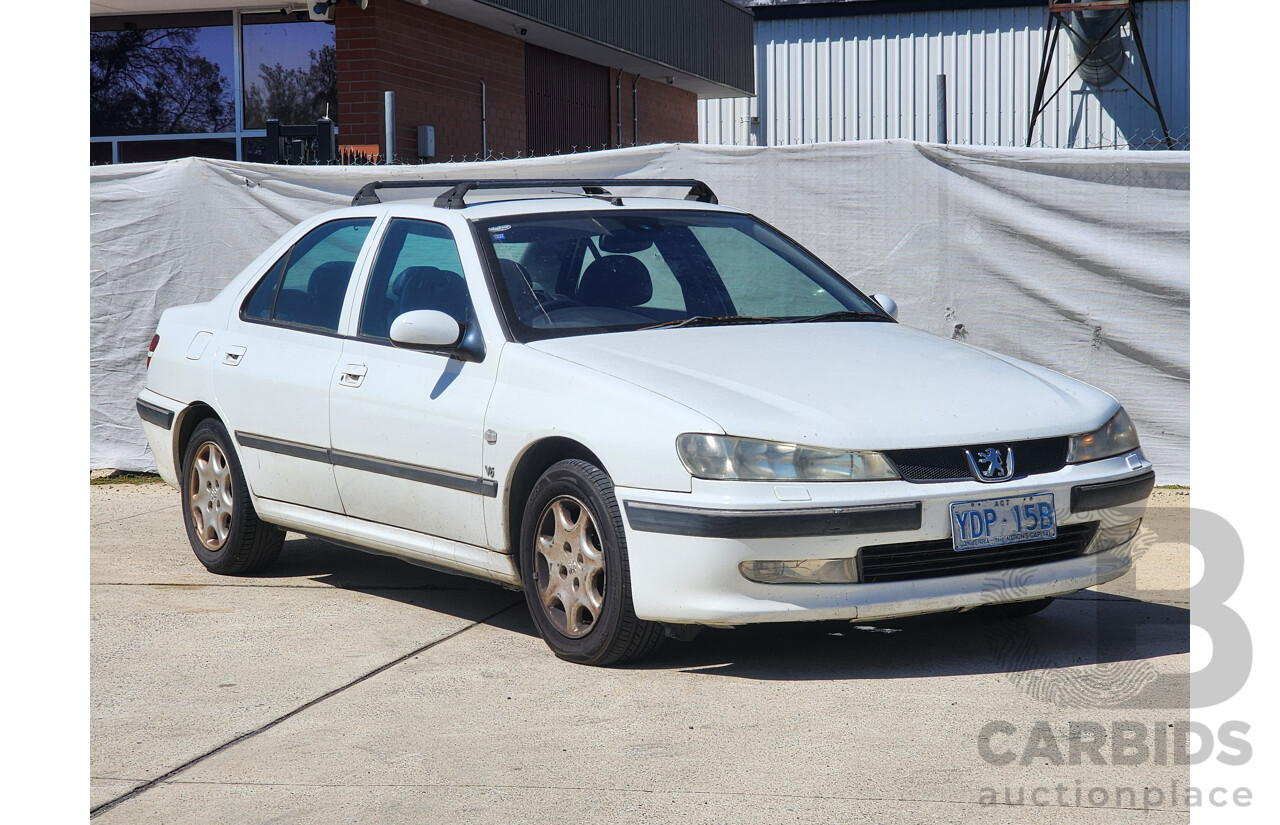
<point>579,273</point>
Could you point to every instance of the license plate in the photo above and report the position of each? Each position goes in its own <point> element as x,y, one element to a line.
<point>992,522</point>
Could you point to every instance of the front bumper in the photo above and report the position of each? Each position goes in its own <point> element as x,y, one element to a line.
<point>685,548</point>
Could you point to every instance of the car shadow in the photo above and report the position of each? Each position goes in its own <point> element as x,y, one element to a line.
<point>1117,634</point>
<point>1088,629</point>
<point>391,578</point>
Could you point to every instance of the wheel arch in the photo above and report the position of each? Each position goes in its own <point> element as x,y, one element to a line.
<point>188,419</point>
<point>528,468</point>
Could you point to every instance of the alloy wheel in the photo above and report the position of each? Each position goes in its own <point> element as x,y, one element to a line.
<point>570,566</point>
<point>209,496</point>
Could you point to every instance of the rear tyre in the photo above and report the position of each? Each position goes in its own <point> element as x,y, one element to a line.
<point>225,532</point>
<point>1015,610</point>
<point>577,579</point>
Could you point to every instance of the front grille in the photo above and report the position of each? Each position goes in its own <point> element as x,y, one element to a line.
<point>933,559</point>
<point>934,464</point>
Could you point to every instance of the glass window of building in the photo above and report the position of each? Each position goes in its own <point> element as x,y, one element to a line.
<point>165,86</point>
<point>290,71</point>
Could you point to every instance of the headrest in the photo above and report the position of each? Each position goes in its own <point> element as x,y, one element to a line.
<point>514,272</point>
<point>426,287</point>
<point>411,285</point>
<point>329,278</point>
<point>615,281</point>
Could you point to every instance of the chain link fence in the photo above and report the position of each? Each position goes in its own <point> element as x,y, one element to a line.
<point>1152,141</point>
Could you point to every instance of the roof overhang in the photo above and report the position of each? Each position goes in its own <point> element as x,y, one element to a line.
<point>527,27</point>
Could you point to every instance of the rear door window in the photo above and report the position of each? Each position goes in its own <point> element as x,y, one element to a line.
<point>308,285</point>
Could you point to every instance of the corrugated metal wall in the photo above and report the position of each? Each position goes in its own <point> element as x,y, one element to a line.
<point>566,102</point>
<point>706,38</point>
<point>872,77</point>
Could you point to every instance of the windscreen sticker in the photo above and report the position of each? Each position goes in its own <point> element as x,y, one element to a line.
<point>502,228</point>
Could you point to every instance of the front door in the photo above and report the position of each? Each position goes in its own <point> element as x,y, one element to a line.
<point>407,426</point>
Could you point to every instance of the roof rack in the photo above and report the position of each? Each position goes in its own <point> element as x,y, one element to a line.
<point>454,197</point>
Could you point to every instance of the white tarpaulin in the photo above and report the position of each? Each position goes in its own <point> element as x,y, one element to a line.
<point>1075,260</point>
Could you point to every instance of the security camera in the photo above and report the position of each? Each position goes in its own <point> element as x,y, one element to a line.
<point>323,9</point>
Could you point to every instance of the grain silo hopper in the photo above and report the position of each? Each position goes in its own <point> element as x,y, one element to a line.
<point>1094,30</point>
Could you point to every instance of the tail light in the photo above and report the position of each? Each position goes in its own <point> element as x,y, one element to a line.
<point>151,350</point>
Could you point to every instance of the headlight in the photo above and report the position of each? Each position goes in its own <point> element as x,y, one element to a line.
<point>1115,437</point>
<point>729,458</point>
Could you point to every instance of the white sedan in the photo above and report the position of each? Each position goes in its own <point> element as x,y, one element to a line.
<point>649,414</point>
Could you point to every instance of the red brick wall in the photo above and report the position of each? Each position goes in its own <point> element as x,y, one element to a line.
<point>434,63</point>
<point>667,114</point>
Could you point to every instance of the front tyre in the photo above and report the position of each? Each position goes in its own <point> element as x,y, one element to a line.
<point>573,557</point>
<point>225,532</point>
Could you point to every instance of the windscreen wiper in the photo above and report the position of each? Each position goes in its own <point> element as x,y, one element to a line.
<point>842,315</point>
<point>713,321</point>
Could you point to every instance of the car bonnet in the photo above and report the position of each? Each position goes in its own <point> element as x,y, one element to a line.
<point>852,385</point>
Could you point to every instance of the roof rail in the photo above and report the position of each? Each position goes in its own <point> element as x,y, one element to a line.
<point>457,190</point>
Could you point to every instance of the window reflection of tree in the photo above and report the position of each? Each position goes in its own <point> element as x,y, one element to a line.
<point>294,95</point>
<point>153,81</point>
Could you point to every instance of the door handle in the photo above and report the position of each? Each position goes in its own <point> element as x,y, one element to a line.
<point>233,355</point>
<point>352,375</point>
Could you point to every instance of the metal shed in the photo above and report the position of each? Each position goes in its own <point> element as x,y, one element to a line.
<point>868,70</point>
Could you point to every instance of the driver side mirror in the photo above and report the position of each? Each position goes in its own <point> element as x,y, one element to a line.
<point>425,329</point>
<point>431,330</point>
<point>887,304</point>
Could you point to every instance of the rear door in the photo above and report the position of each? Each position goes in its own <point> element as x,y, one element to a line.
<point>407,426</point>
<point>278,359</point>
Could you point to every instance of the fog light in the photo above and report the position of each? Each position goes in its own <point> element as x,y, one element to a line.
<point>804,571</point>
<point>1109,538</point>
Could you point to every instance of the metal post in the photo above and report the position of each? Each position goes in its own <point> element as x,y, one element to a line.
<point>1151,84</point>
<point>484,120</point>
<point>237,79</point>
<point>1046,61</point>
<point>326,146</point>
<point>273,140</point>
<point>635,114</point>
<point>390,105</point>
<point>942,108</point>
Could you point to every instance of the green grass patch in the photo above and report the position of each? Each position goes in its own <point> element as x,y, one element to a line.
<point>1173,487</point>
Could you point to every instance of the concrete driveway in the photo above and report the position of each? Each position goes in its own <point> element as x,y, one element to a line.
<point>343,687</point>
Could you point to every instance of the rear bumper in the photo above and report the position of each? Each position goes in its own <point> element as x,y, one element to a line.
<point>158,414</point>
<point>685,549</point>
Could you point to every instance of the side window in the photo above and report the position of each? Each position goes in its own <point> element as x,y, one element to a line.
<point>264,294</point>
<point>307,286</point>
<point>417,267</point>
